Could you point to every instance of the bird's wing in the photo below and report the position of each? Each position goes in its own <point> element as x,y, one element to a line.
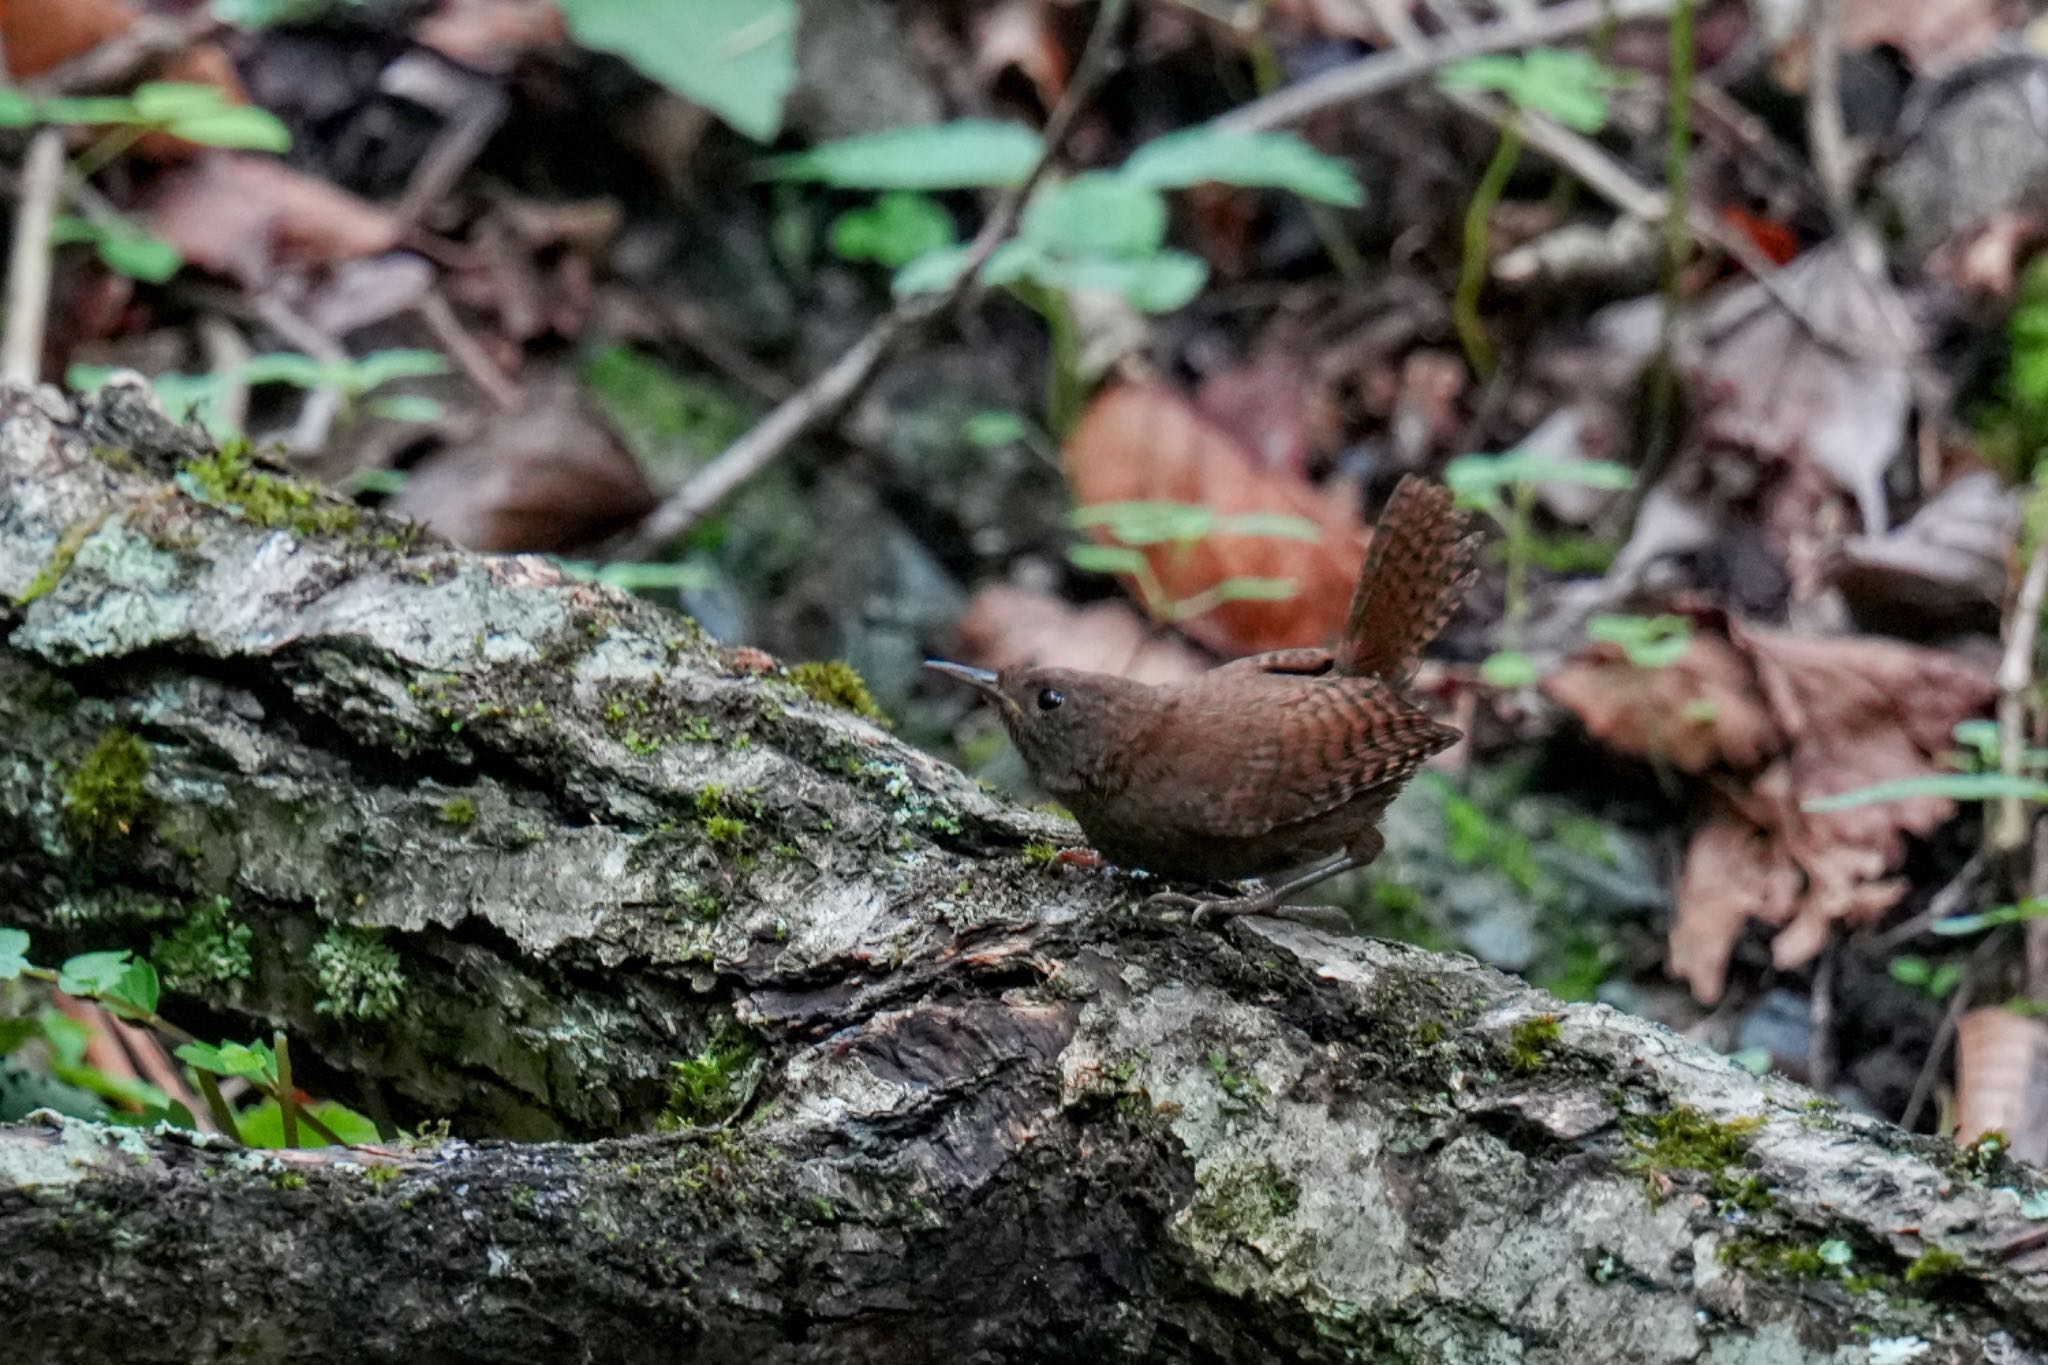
<point>1299,662</point>
<point>1291,751</point>
<point>1416,572</point>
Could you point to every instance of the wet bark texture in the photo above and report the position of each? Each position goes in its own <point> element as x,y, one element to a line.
<point>792,1045</point>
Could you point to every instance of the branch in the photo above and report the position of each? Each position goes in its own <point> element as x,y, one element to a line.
<point>532,855</point>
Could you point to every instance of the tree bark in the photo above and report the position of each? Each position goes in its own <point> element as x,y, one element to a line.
<point>789,1043</point>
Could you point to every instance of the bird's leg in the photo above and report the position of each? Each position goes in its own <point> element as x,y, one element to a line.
<point>1272,897</point>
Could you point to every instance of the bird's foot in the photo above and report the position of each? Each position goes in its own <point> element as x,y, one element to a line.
<point>1209,909</point>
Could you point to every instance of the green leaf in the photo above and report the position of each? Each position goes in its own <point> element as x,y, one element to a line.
<point>13,953</point>
<point>66,1037</point>
<point>1835,1252</point>
<point>91,974</point>
<point>261,14</point>
<point>1269,525</point>
<point>634,576</point>
<point>1568,85</point>
<point>1509,668</point>
<point>1250,589</point>
<point>139,256</point>
<point>253,1060</point>
<point>1955,926</point>
<point>1157,284</point>
<point>1981,737</point>
<point>285,367</point>
<point>135,994</point>
<point>1911,971</point>
<point>931,273</point>
<point>964,154</point>
<point>1481,474</point>
<point>262,1125</point>
<point>1196,156</point>
<point>1954,786</point>
<point>87,110</point>
<point>995,428</point>
<point>737,58</point>
<point>379,368</point>
<point>120,1089</point>
<point>17,107</point>
<point>204,114</point>
<point>1095,215</point>
<point>1105,559</point>
<point>1648,641</point>
<point>407,407</point>
<point>1147,522</point>
<point>895,230</point>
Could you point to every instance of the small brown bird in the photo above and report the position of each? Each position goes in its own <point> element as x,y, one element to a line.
<point>1268,763</point>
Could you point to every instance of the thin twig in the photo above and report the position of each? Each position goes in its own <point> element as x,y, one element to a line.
<point>1825,139</point>
<point>839,383</point>
<point>2008,832</point>
<point>1820,1042</point>
<point>1937,1051</point>
<point>323,404</point>
<point>434,310</point>
<point>128,53</point>
<point>28,265</point>
<point>1390,70</point>
<point>287,1096</point>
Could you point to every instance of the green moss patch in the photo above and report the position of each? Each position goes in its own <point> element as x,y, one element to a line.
<point>1684,1139</point>
<point>226,480</point>
<point>105,795</point>
<point>835,683</point>
<point>360,977</point>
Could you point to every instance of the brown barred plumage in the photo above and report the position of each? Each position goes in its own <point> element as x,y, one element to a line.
<point>1267,763</point>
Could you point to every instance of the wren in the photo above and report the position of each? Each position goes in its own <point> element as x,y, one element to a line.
<point>1278,763</point>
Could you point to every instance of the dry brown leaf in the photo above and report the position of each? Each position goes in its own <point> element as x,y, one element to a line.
<point>1856,712</point>
<point>1775,720</point>
<point>1009,626</point>
<point>2002,1080</point>
<point>249,217</point>
<point>1704,711</point>
<point>1779,397</point>
<point>1145,443</point>
<point>547,477</point>
<point>1017,35</point>
<point>1734,872</point>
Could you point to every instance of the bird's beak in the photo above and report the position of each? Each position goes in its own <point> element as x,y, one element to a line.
<point>980,679</point>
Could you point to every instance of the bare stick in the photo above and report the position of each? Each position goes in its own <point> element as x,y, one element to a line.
<point>839,383</point>
<point>1824,134</point>
<point>323,404</point>
<point>28,266</point>
<point>467,353</point>
<point>1384,71</point>
<point>128,53</point>
<point>2008,832</point>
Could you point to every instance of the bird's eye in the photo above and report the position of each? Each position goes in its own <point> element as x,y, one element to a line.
<point>1050,698</point>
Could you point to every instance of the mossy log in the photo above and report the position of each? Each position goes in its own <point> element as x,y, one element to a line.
<point>771,1039</point>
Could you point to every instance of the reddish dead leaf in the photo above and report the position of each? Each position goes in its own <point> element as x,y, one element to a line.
<point>548,477</point>
<point>249,217</point>
<point>1772,237</point>
<point>2002,1080</point>
<point>39,34</point>
<point>1145,443</point>
<point>492,35</point>
<point>1007,626</point>
<point>749,659</point>
<point>1703,712</point>
<point>1857,712</point>
<point>1776,720</point>
<point>1734,872</point>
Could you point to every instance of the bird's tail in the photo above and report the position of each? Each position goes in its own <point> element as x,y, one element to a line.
<point>1422,560</point>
